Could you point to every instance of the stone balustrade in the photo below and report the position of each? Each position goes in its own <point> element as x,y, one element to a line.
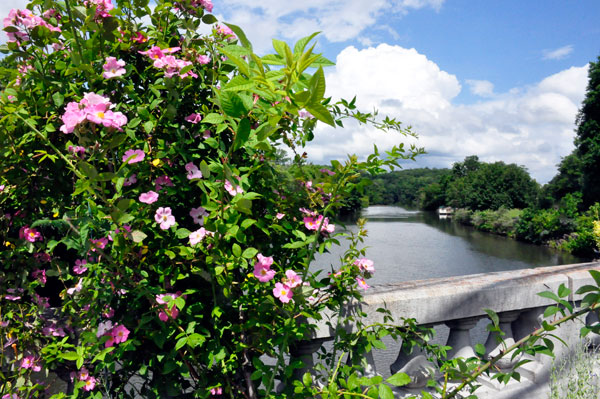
<point>458,303</point>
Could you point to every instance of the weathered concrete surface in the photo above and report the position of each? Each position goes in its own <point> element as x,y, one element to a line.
<point>436,301</point>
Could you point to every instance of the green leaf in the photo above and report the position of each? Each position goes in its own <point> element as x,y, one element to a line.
<point>181,343</point>
<point>182,233</point>
<point>321,113</point>
<point>480,350</point>
<point>70,356</point>
<point>587,288</point>
<point>385,392</point>
<point>213,118</point>
<point>563,291</point>
<point>149,126</point>
<point>301,44</point>
<point>596,276</point>
<point>240,34</point>
<point>549,295</point>
<point>58,99</point>
<point>204,169</point>
<point>209,19</point>
<point>249,253</point>
<point>399,379</point>
<point>493,316</point>
<point>232,104</point>
<point>88,170</point>
<point>195,340</point>
<point>317,86</point>
<point>238,61</point>
<point>242,134</point>
<point>237,250</point>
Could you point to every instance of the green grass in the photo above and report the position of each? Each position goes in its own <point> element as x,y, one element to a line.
<point>576,376</point>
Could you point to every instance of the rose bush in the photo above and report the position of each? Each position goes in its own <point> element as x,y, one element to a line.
<point>151,244</point>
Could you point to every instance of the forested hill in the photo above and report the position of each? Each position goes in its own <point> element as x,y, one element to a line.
<point>470,184</point>
<point>403,187</point>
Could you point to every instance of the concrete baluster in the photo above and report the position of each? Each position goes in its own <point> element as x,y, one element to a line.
<point>497,343</point>
<point>460,338</point>
<point>414,363</point>
<point>528,321</point>
<point>590,320</point>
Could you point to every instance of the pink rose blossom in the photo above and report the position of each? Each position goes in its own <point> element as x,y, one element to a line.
<point>40,275</point>
<point>29,362</point>
<point>80,267</point>
<point>130,180</point>
<point>193,171</point>
<point>197,236</point>
<point>161,181</point>
<point>98,244</point>
<point>362,283</point>
<point>233,190</point>
<point>279,216</point>
<point>29,234</point>
<point>104,327</point>
<point>77,151</point>
<point>90,384</point>
<point>120,334</point>
<point>165,313</point>
<point>133,156</point>
<point>193,118</point>
<point>203,59</point>
<point>262,268</point>
<point>216,391</point>
<point>164,218</point>
<point>292,279</point>
<point>197,214</point>
<point>149,198</point>
<point>113,68</point>
<point>365,265</point>
<point>75,289</point>
<point>225,31</point>
<point>282,292</point>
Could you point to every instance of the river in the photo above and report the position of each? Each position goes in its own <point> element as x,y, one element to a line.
<point>412,245</point>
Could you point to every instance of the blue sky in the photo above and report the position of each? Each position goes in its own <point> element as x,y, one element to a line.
<point>499,79</point>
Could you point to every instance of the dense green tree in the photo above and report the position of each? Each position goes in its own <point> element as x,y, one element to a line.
<point>587,141</point>
<point>479,185</point>
<point>403,187</point>
<point>568,180</point>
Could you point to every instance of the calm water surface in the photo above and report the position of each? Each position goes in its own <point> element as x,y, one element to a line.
<point>411,245</point>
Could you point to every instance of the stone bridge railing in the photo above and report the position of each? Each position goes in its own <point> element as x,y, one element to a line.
<point>455,306</point>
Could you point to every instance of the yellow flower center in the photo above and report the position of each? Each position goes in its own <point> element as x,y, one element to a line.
<point>100,115</point>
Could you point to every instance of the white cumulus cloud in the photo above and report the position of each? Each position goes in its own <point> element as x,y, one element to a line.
<point>482,88</point>
<point>558,54</point>
<point>531,126</point>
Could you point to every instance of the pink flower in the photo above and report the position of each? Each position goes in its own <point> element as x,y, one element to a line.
<point>80,267</point>
<point>31,235</point>
<point>203,59</point>
<point>310,223</point>
<point>193,171</point>
<point>208,6</point>
<point>98,244</point>
<point>193,118</point>
<point>133,156</point>
<point>327,171</point>
<point>113,68</point>
<point>40,275</point>
<point>216,391</point>
<point>225,31</point>
<point>233,190</point>
<point>161,181</point>
<point>130,180</point>
<point>362,283</point>
<point>365,265</point>
<point>41,300</point>
<point>279,216</point>
<point>282,292</point>
<point>119,334</point>
<point>262,268</point>
<point>29,362</point>
<point>90,384</point>
<point>164,299</point>
<point>292,279</point>
<point>77,150</point>
<point>42,257</point>
<point>197,236</point>
<point>102,8</point>
<point>149,197</point>
<point>164,218</point>
<point>305,114</point>
<point>75,289</point>
<point>104,327</point>
<point>197,214</point>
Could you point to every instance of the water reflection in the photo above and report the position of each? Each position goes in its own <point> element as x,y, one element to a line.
<point>412,245</point>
